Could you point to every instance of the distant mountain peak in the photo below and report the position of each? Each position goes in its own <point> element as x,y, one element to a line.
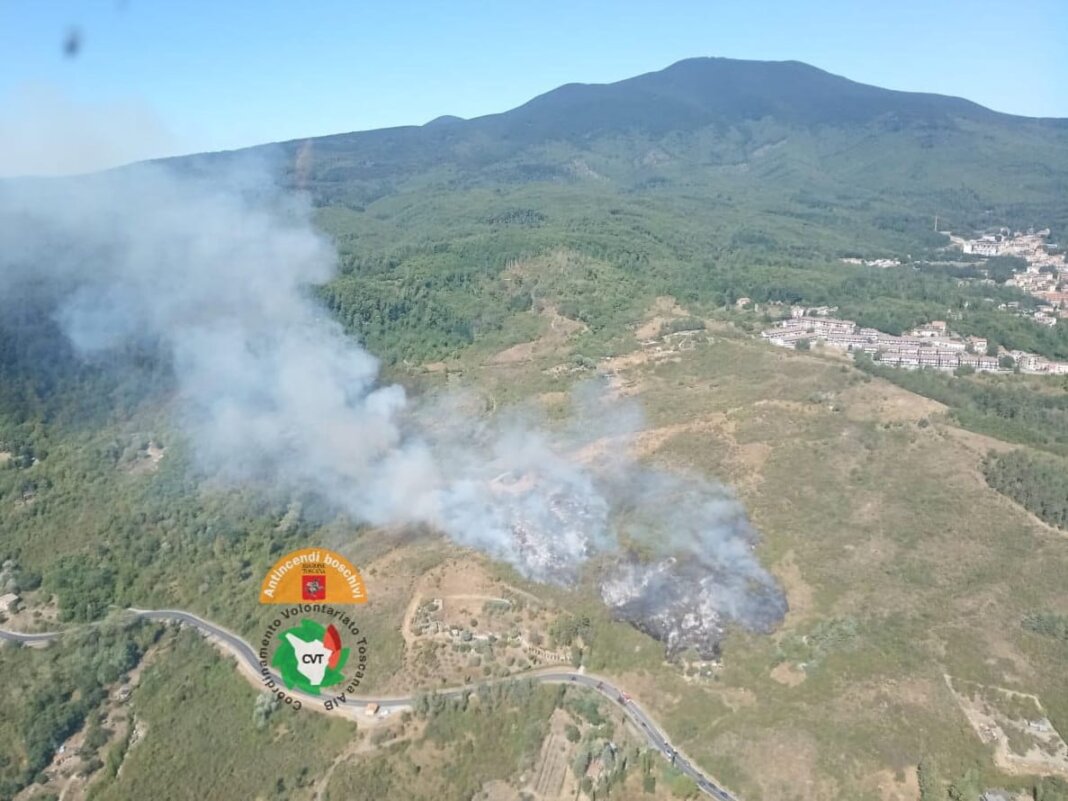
<point>444,119</point>
<point>704,91</point>
<point>717,110</point>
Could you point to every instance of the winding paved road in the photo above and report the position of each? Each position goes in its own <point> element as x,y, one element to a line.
<point>242,650</point>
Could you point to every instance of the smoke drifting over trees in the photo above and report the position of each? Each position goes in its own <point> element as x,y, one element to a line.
<point>217,275</point>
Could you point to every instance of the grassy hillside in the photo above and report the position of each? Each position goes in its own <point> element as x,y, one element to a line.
<point>844,474</point>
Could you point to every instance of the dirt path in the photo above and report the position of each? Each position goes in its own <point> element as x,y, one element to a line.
<point>406,624</point>
<point>67,787</point>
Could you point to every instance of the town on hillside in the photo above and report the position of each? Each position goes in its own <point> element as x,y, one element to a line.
<point>1046,275</point>
<point>1042,272</point>
<point>932,345</point>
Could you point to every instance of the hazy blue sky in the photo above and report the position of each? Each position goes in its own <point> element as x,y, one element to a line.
<point>167,76</point>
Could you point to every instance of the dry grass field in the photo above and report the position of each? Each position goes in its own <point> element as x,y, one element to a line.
<point>899,562</point>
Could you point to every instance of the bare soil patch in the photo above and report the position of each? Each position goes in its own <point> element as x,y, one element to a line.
<point>148,459</point>
<point>664,310</point>
<point>497,790</point>
<point>892,788</point>
<point>39,612</point>
<point>737,697</point>
<point>743,463</point>
<point>979,444</point>
<point>1016,724</point>
<point>789,674</point>
<point>554,400</point>
<point>648,442</point>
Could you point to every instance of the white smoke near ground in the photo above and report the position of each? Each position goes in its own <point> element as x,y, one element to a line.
<point>218,273</point>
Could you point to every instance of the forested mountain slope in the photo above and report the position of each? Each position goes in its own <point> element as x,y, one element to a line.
<point>710,180</point>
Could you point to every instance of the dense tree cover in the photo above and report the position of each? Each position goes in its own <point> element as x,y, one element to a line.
<point>97,534</point>
<point>425,274</point>
<point>930,784</point>
<point>76,515</point>
<point>566,629</point>
<point>43,379</point>
<point>824,150</point>
<point>1036,481</point>
<point>1015,333</point>
<point>1002,268</point>
<point>84,590</point>
<point>682,324</point>
<point>51,701</point>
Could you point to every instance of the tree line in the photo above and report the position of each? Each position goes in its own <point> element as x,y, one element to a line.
<point>1036,481</point>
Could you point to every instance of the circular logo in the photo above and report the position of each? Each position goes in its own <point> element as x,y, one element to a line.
<point>313,653</point>
<point>310,656</point>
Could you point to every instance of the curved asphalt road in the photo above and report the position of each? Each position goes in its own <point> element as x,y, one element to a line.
<point>245,652</point>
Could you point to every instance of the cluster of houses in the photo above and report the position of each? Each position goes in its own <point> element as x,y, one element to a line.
<point>1046,276</point>
<point>1031,246</point>
<point>1049,288</point>
<point>930,346</point>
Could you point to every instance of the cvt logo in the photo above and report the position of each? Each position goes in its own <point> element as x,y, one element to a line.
<point>310,656</point>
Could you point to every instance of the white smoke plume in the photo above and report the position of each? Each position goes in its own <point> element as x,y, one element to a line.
<point>218,274</point>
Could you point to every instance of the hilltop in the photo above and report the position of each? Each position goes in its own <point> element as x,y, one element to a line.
<point>787,129</point>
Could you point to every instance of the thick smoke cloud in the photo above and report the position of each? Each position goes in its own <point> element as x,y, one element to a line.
<point>218,273</point>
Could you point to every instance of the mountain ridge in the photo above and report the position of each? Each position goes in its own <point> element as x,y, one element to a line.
<point>751,76</point>
<point>690,121</point>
